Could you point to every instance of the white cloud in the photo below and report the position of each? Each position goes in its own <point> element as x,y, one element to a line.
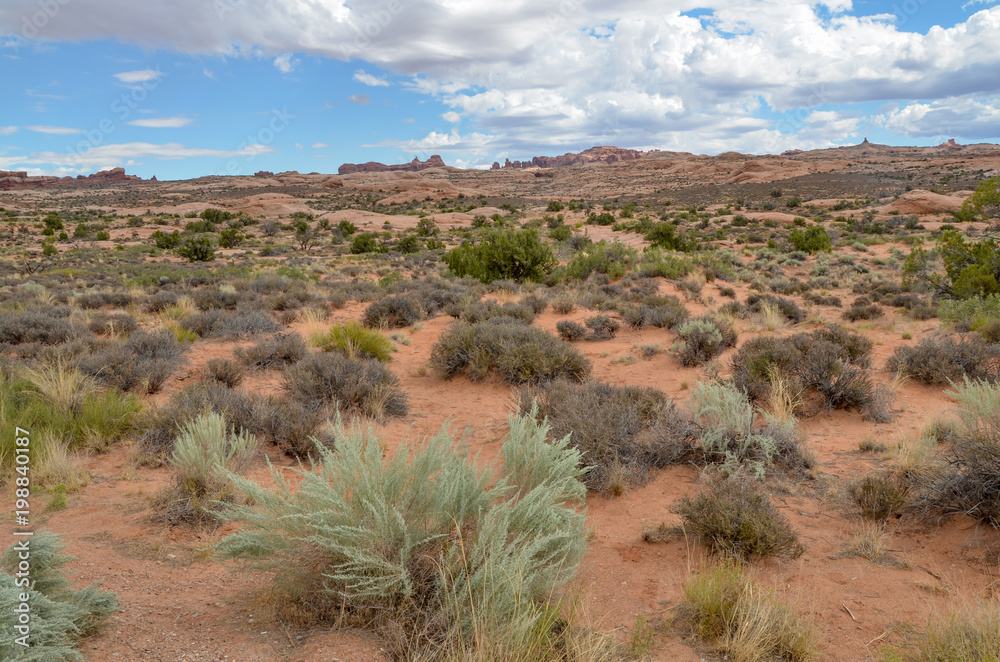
<point>360,99</point>
<point>285,63</point>
<point>299,146</point>
<point>973,3</point>
<point>319,145</point>
<point>140,76</point>
<point>7,130</point>
<point>954,118</point>
<point>163,122</point>
<point>452,117</point>
<point>369,79</point>
<point>109,156</point>
<point>53,130</point>
<point>208,73</point>
<point>553,74</point>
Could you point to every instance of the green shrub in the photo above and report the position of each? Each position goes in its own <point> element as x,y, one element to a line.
<point>611,258</point>
<point>665,235</point>
<point>364,243</point>
<point>355,341</point>
<point>352,385</point>
<point>623,432</point>
<point>452,562</point>
<point>734,517</point>
<point>60,615</point>
<point>985,202</point>
<point>196,249</point>
<point>518,353</point>
<point>743,622</point>
<point>231,238</point>
<point>503,254</point>
<point>813,239</point>
<point>347,228</point>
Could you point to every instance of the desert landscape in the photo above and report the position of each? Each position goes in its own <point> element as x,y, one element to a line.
<point>614,405</point>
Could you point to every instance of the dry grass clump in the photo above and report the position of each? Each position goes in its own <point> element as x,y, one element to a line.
<point>352,385</point>
<point>740,620</point>
<point>624,432</point>
<point>734,517</point>
<point>518,353</point>
<point>355,341</point>
<point>972,635</point>
<point>942,359</point>
<point>878,497</point>
<point>445,561</point>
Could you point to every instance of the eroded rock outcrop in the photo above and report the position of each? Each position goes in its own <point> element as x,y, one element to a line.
<point>20,179</point>
<point>374,166</point>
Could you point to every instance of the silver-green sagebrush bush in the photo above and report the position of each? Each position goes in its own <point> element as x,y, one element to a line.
<point>441,557</point>
<point>59,615</point>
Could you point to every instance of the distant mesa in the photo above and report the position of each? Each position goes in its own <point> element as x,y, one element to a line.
<point>263,173</point>
<point>601,154</point>
<point>951,144</point>
<point>20,179</point>
<point>374,166</point>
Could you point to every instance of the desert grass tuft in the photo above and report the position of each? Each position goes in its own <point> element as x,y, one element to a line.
<point>742,621</point>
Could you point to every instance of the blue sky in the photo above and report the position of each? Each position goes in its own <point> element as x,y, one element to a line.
<point>183,88</point>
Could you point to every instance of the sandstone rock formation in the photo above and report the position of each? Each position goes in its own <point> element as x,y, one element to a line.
<point>20,179</point>
<point>374,166</point>
<point>602,154</point>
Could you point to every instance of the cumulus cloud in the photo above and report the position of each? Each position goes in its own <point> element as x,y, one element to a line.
<point>963,117</point>
<point>140,76</point>
<point>564,73</point>
<point>369,79</point>
<point>360,99</point>
<point>319,145</point>
<point>163,122</point>
<point>54,130</point>
<point>285,63</point>
<point>7,130</point>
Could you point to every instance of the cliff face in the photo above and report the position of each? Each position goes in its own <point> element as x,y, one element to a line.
<point>603,154</point>
<point>19,179</point>
<point>374,166</point>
